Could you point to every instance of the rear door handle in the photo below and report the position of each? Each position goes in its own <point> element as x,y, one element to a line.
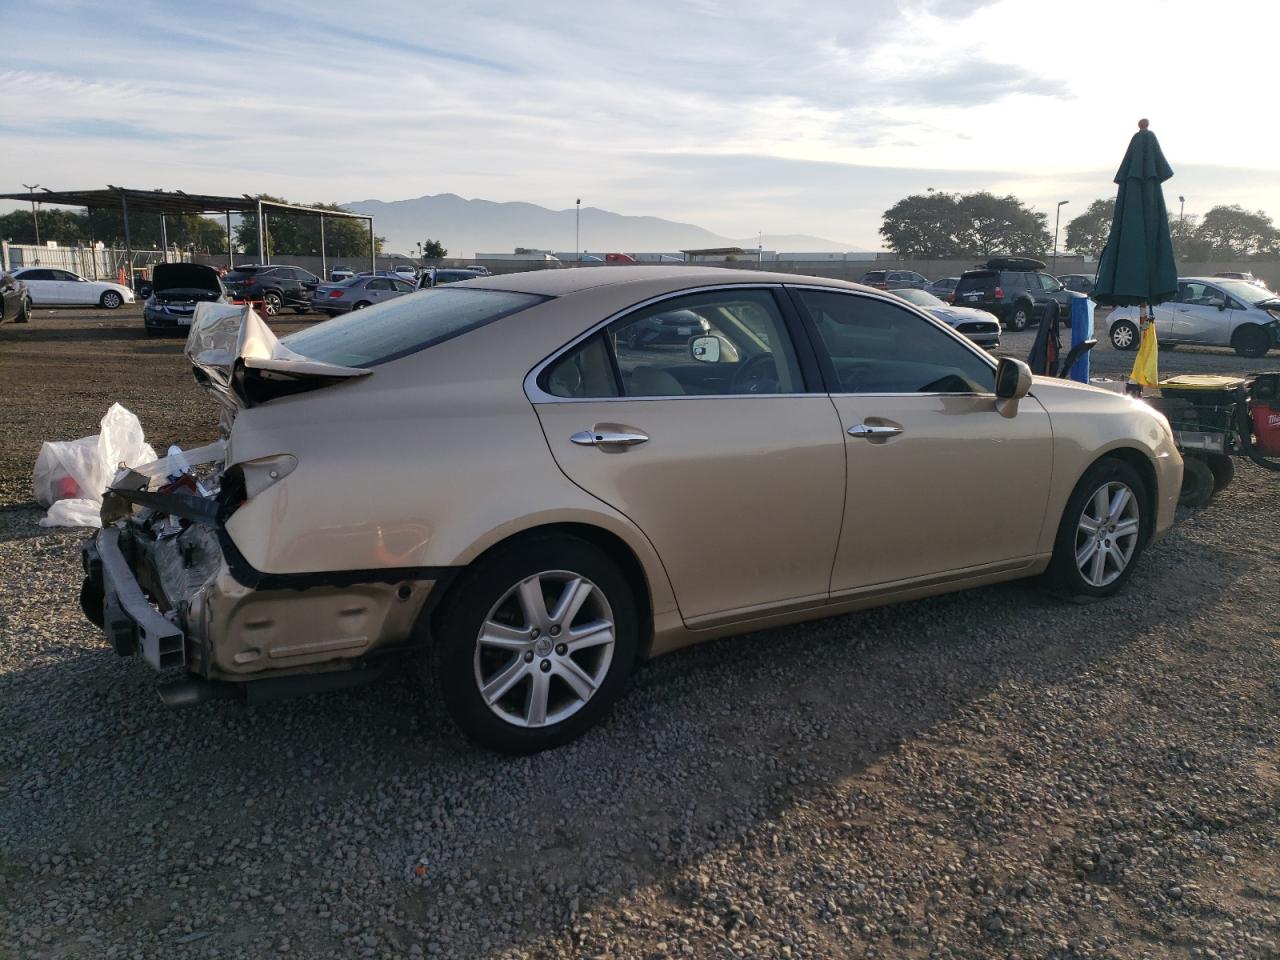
<point>873,431</point>
<point>608,438</point>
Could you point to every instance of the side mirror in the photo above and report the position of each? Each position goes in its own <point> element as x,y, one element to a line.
<point>1013,382</point>
<point>713,349</point>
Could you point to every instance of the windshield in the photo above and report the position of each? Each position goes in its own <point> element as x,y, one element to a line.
<point>1248,292</point>
<point>921,298</point>
<point>405,325</point>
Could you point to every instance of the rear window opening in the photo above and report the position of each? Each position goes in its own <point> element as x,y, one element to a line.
<point>388,331</point>
<point>978,280</point>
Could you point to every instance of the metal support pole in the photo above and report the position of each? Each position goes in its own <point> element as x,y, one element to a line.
<point>324,270</point>
<point>373,250</point>
<point>262,248</point>
<point>164,237</point>
<point>577,243</point>
<point>128,240</point>
<point>231,250</point>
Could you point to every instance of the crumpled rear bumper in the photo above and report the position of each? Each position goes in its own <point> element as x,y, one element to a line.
<point>177,603</point>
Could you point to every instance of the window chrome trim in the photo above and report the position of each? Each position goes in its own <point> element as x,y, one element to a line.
<point>537,395</point>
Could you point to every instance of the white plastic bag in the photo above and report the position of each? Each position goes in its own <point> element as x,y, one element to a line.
<point>71,475</point>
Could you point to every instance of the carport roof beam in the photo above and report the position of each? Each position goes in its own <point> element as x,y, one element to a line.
<point>163,201</point>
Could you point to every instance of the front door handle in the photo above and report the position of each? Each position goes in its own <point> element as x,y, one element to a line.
<point>874,431</point>
<point>608,438</point>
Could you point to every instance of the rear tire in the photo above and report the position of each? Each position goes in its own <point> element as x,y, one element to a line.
<point>1223,468</point>
<point>1020,319</point>
<point>272,303</point>
<point>1124,335</point>
<point>1120,535</point>
<point>530,674</point>
<point>1251,341</point>
<point>1197,483</point>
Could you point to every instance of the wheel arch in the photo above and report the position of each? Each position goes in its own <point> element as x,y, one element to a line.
<point>1145,468</point>
<point>606,541</point>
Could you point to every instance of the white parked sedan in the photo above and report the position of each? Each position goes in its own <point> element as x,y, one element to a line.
<point>51,287</point>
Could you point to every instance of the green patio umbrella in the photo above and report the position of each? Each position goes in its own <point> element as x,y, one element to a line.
<point>1136,266</point>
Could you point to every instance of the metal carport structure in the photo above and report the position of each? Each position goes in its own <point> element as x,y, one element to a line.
<point>179,202</point>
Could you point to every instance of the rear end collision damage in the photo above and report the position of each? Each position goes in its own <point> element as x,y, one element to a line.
<point>166,582</point>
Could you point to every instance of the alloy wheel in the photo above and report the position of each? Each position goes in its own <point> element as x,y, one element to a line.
<point>1107,533</point>
<point>1122,336</point>
<point>111,299</point>
<point>544,649</point>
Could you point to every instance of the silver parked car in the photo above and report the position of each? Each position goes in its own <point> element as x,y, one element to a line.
<point>1210,311</point>
<point>357,293</point>
<point>978,325</point>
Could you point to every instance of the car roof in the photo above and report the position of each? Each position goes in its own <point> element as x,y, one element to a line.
<point>559,282</point>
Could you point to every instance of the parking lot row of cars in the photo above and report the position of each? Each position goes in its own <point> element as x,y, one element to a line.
<point>1228,310</point>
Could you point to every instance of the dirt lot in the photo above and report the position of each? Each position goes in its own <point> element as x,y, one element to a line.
<point>989,774</point>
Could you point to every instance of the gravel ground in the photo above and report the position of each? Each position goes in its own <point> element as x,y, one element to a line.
<point>987,774</point>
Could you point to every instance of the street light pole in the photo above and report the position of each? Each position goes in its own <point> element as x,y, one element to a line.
<point>35,220</point>
<point>577,221</point>
<point>1182,206</point>
<point>1056,218</point>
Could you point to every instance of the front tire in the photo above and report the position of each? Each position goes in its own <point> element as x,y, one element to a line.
<point>1102,532</point>
<point>361,305</point>
<point>110,300</point>
<point>1251,341</point>
<point>24,312</point>
<point>534,644</point>
<point>1124,335</point>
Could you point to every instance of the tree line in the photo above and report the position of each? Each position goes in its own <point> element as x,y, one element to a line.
<point>1224,233</point>
<point>938,225</point>
<point>288,232</point>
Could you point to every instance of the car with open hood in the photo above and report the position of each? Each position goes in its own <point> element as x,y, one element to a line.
<point>176,290</point>
<point>486,480</point>
<point>1209,311</point>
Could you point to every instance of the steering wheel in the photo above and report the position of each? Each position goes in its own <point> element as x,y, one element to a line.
<point>757,375</point>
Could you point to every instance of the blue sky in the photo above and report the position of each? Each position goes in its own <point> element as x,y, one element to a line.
<point>739,116</point>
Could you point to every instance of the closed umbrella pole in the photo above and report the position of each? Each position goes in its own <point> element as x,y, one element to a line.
<point>1137,266</point>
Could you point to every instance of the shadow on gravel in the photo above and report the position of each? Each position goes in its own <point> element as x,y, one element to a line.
<point>90,332</point>
<point>712,744</point>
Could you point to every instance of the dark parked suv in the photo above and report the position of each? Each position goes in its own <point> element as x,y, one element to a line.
<point>1016,291</point>
<point>278,285</point>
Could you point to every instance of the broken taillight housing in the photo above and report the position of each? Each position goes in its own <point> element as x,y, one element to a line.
<point>334,294</point>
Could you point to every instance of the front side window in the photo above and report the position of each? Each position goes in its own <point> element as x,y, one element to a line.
<point>718,343</point>
<point>706,344</point>
<point>878,347</point>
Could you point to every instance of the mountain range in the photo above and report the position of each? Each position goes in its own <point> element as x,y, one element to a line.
<point>467,227</point>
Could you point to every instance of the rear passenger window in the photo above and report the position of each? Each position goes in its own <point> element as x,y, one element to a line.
<point>878,347</point>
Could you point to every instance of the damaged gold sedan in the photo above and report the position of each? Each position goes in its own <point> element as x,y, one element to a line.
<point>530,483</point>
